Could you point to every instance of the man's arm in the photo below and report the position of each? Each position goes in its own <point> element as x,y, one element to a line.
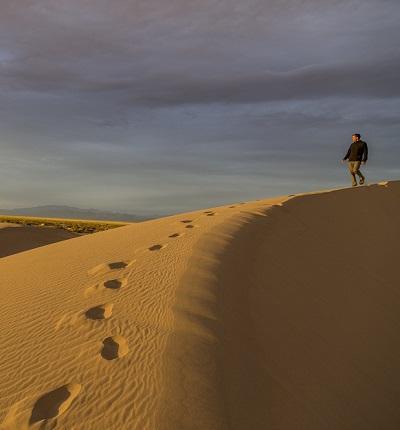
<point>348,154</point>
<point>365,154</point>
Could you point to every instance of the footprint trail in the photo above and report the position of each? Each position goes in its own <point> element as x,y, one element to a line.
<point>54,403</point>
<point>114,347</point>
<point>100,312</point>
<point>114,284</point>
<point>156,247</point>
<point>109,267</point>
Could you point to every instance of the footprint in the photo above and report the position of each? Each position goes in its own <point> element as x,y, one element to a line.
<point>54,403</point>
<point>231,207</point>
<point>106,267</point>
<point>211,214</point>
<point>114,284</point>
<point>156,247</point>
<point>176,235</point>
<point>208,212</point>
<point>118,265</point>
<point>114,347</point>
<point>100,312</point>
<point>186,221</point>
<point>190,226</point>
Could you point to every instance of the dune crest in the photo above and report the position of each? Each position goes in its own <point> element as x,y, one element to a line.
<point>276,313</point>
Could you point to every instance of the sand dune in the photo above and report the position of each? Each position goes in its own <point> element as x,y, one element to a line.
<point>16,238</point>
<point>272,314</point>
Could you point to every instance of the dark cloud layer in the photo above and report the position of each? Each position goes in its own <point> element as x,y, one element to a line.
<point>166,106</point>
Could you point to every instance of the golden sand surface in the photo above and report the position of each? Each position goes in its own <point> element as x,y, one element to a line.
<point>279,313</point>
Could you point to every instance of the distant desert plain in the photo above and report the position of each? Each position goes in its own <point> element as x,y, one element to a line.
<point>279,313</point>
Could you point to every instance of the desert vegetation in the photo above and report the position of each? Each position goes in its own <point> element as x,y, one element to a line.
<point>74,225</point>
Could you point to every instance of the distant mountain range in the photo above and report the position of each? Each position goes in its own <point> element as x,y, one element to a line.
<point>54,211</point>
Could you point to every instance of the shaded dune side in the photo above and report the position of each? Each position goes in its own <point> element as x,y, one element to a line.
<point>310,314</point>
<point>294,324</point>
<point>18,238</point>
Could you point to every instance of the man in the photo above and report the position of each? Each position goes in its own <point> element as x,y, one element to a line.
<point>357,154</point>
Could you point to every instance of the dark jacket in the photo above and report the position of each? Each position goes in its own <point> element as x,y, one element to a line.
<point>358,151</point>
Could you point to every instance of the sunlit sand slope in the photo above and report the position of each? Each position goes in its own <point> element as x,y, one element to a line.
<point>275,314</point>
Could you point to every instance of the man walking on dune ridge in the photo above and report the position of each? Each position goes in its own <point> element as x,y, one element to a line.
<point>357,154</point>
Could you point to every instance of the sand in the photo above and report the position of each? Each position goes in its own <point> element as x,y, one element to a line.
<point>271,314</point>
<point>16,238</point>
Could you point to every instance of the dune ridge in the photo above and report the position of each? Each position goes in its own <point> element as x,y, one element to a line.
<point>246,316</point>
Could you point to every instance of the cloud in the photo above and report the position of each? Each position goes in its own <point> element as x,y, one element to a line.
<point>178,52</point>
<point>191,98</point>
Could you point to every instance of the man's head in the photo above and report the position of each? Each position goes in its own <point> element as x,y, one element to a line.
<point>356,137</point>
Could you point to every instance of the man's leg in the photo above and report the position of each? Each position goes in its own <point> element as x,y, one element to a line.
<point>352,173</point>
<point>358,172</point>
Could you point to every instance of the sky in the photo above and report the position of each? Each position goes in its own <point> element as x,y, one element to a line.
<point>160,107</point>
